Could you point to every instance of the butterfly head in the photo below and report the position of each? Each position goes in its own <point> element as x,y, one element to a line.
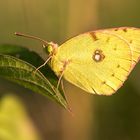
<point>51,48</point>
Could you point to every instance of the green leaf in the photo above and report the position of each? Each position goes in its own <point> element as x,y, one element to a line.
<point>21,70</point>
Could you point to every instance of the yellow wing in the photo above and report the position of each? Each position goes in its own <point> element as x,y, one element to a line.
<point>132,36</point>
<point>99,62</point>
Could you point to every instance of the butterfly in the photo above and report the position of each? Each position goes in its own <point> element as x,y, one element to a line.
<point>98,62</point>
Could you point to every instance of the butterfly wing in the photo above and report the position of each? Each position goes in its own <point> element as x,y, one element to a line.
<point>99,62</point>
<point>132,36</point>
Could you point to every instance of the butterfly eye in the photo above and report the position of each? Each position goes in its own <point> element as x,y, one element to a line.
<point>98,56</point>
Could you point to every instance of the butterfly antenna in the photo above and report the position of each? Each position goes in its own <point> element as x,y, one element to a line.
<point>33,37</point>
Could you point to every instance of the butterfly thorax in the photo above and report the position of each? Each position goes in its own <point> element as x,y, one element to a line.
<point>56,64</point>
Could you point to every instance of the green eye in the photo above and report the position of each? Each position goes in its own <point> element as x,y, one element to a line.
<point>48,49</point>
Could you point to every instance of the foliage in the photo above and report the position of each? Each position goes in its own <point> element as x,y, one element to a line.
<point>18,64</point>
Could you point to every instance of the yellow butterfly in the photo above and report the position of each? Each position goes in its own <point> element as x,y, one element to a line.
<point>98,61</point>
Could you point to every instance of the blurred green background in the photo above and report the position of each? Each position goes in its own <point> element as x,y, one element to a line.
<point>95,117</point>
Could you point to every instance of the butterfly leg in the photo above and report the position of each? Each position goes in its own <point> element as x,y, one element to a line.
<point>50,56</point>
<point>62,72</point>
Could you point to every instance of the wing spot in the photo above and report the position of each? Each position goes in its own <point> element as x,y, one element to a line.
<point>118,66</point>
<point>93,35</point>
<point>131,41</point>
<point>98,55</point>
<point>113,74</point>
<point>125,29</point>
<point>103,83</point>
<point>108,39</point>
<point>116,29</point>
<point>115,49</point>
